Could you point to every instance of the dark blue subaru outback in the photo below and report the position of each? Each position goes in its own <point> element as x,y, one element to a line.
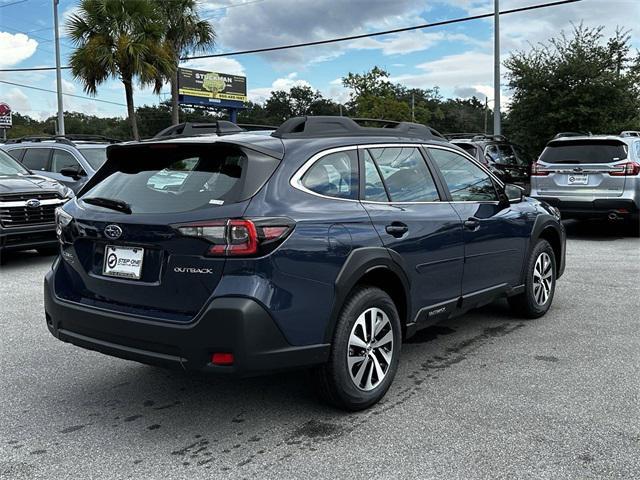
<point>323,245</point>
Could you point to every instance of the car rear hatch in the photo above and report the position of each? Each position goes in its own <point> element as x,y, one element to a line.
<point>581,168</point>
<point>150,236</point>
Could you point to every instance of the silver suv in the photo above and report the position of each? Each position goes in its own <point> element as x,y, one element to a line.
<point>590,176</point>
<point>71,160</point>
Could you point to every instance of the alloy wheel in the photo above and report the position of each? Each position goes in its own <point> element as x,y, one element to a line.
<point>542,278</point>
<point>370,349</point>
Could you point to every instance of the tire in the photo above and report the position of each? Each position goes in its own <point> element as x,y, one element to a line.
<point>537,297</point>
<point>361,386</point>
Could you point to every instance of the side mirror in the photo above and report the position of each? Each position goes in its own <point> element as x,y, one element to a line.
<point>514,193</point>
<point>74,173</point>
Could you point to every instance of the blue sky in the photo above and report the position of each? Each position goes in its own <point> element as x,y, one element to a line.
<point>457,58</point>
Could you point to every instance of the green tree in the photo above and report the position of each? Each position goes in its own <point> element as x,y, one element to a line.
<point>185,33</point>
<point>120,39</point>
<point>577,82</point>
<point>374,96</point>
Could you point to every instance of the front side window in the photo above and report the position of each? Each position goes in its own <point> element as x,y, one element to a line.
<point>95,156</point>
<point>36,159</point>
<point>334,175</point>
<point>466,181</point>
<point>8,166</point>
<point>405,174</point>
<point>61,160</point>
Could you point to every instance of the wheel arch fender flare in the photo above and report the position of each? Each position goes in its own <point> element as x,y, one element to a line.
<point>547,226</point>
<point>359,263</point>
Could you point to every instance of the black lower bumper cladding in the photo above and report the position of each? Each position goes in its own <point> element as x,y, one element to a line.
<point>236,325</point>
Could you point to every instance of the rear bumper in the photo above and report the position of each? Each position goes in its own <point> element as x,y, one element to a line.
<point>571,208</point>
<point>27,237</point>
<point>230,324</point>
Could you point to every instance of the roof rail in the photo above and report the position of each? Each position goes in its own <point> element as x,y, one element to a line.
<point>192,129</point>
<point>41,138</point>
<point>460,135</point>
<point>87,137</point>
<point>330,126</point>
<point>630,133</point>
<point>571,134</point>
<point>250,127</point>
<point>486,136</point>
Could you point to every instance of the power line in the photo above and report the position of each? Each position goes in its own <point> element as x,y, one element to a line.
<point>66,94</point>
<point>385,32</point>
<point>346,38</point>
<point>14,3</point>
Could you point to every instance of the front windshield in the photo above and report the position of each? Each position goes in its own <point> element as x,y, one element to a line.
<point>8,166</point>
<point>95,156</point>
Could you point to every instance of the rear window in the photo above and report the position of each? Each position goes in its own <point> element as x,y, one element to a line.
<point>584,151</point>
<point>180,178</point>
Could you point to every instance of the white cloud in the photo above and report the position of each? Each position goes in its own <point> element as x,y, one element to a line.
<point>283,83</point>
<point>17,100</point>
<point>15,48</point>
<point>217,64</point>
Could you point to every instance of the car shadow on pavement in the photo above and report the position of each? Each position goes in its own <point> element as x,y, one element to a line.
<point>601,230</point>
<point>17,260</point>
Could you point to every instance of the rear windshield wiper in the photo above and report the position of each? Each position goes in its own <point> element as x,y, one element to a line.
<point>118,205</point>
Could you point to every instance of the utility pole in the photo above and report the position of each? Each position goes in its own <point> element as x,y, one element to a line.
<point>496,66</point>
<point>413,107</point>
<point>58,71</point>
<point>486,113</point>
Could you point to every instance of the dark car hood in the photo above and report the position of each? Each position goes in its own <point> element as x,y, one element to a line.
<point>28,183</point>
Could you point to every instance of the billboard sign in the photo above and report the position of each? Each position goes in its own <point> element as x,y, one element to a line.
<point>5,116</point>
<point>213,86</point>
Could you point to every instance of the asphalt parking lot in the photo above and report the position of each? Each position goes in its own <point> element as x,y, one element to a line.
<point>486,395</point>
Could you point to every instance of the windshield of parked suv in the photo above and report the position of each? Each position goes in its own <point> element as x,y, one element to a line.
<point>504,154</point>
<point>95,156</point>
<point>584,151</point>
<point>8,166</point>
<point>172,178</point>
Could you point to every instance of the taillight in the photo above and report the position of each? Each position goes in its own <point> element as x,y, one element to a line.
<point>239,237</point>
<point>626,169</point>
<point>537,170</point>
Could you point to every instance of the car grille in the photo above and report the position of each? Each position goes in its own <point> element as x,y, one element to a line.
<point>14,211</point>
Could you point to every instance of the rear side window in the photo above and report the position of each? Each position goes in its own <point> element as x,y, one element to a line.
<point>180,178</point>
<point>36,159</point>
<point>467,147</point>
<point>466,181</point>
<point>61,160</point>
<point>584,151</point>
<point>335,175</point>
<point>405,174</point>
<point>374,188</point>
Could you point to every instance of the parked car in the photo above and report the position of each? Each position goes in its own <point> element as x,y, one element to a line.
<point>323,245</point>
<point>510,162</point>
<point>27,204</point>
<point>70,160</point>
<point>590,176</point>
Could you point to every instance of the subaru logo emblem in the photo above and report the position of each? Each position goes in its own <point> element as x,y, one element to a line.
<point>33,203</point>
<point>113,231</point>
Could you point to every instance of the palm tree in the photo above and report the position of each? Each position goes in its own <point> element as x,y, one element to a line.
<point>184,33</point>
<point>119,39</point>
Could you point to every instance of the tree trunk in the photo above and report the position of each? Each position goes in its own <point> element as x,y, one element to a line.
<point>175,106</point>
<point>131,111</point>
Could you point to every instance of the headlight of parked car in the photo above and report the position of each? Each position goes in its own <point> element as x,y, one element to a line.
<point>62,220</point>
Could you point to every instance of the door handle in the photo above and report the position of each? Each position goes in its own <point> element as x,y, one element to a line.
<point>472,224</point>
<point>397,229</point>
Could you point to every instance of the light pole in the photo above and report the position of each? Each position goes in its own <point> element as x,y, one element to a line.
<point>496,69</point>
<point>58,71</point>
